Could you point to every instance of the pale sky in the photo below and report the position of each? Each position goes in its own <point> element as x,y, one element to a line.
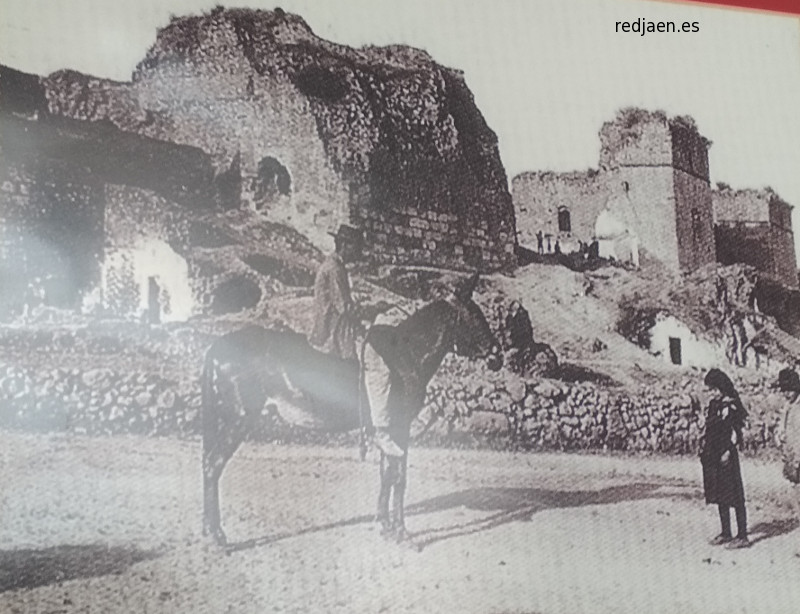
<point>545,73</point>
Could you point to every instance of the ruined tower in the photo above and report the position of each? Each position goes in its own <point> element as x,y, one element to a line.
<point>661,165</point>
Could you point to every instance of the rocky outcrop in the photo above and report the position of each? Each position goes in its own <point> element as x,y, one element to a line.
<point>366,135</point>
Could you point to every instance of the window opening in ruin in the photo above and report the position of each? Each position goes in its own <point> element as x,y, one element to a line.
<point>153,301</point>
<point>564,222</point>
<point>273,181</point>
<point>675,351</point>
<point>696,225</point>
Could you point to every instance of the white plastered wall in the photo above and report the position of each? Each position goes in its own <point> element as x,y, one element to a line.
<point>126,278</point>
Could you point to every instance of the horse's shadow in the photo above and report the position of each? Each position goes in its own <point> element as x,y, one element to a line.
<point>31,568</point>
<point>520,504</point>
<point>500,506</point>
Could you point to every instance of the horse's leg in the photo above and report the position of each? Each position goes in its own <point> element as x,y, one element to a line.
<point>388,471</point>
<point>215,457</point>
<point>398,517</point>
<point>222,435</point>
<point>212,460</point>
<point>212,470</point>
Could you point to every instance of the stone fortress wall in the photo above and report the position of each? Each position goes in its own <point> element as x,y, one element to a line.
<point>659,167</point>
<point>540,196</point>
<point>755,227</point>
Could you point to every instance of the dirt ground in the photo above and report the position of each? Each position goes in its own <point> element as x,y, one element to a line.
<point>113,525</point>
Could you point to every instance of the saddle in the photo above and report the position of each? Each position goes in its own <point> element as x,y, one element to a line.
<point>393,347</point>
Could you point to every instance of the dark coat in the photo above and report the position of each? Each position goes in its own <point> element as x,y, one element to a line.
<point>722,482</point>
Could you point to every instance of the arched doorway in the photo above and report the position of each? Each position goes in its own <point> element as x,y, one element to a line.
<point>272,182</point>
<point>564,221</point>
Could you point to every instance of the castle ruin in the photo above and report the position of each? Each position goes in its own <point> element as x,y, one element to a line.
<point>654,177</point>
<point>313,134</point>
<point>247,116</point>
<point>653,174</point>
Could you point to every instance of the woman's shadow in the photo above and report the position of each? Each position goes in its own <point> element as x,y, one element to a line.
<point>764,530</point>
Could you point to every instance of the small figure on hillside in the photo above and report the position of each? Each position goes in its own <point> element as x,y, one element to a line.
<point>518,340</point>
<point>721,302</point>
<point>739,340</point>
<point>518,327</point>
<point>540,242</point>
<point>335,326</point>
<point>722,475</point>
<point>593,252</point>
<point>751,279</point>
<point>500,324</point>
<point>557,248</point>
<point>549,245</point>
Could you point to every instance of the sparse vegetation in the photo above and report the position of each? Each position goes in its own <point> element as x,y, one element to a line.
<point>637,320</point>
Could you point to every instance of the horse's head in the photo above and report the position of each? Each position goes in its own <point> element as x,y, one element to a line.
<point>473,337</point>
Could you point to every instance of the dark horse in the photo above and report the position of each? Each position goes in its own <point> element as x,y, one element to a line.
<point>255,368</point>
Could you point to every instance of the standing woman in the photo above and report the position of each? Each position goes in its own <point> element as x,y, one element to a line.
<point>722,475</point>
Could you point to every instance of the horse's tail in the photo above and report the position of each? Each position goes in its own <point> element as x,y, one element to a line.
<point>208,400</point>
<point>362,392</point>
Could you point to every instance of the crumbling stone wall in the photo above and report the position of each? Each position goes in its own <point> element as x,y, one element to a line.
<point>96,401</point>
<point>363,134</point>
<point>694,220</point>
<point>133,213</point>
<point>539,196</point>
<point>418,237</point>
<point>72,191</point>
<point>755,227</point>
<point>745,244</point>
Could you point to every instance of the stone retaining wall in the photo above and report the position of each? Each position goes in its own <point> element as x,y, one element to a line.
<point>465,406</point>
<point>506,411</point>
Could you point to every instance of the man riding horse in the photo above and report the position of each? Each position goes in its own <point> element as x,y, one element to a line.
<point>256,368</point>
<point>336,327</point>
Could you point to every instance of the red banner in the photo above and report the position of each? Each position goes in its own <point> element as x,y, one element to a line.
<point>790,7</point>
